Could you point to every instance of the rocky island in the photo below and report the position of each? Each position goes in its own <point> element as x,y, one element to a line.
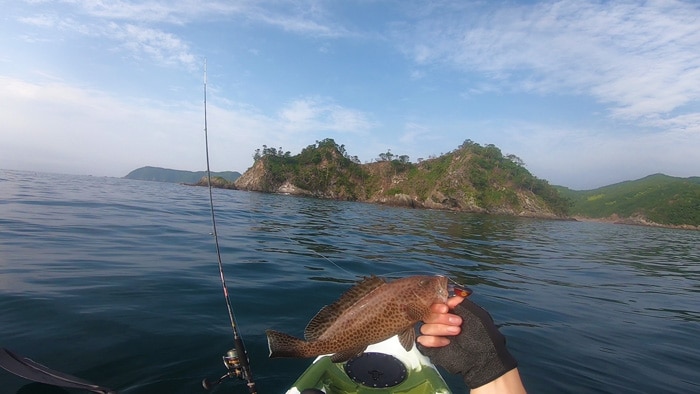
<point>472,178</point>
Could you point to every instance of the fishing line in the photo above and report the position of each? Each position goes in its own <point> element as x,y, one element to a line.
<point>236,360</point>
<point>319,254</point>
<point>286,235</point>
<point>455,287</point>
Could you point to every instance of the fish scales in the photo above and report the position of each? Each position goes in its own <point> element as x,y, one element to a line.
<point>369,312</point>
<point>330,313</point>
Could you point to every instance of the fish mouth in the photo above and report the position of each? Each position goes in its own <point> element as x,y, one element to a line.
<point>455,289</point>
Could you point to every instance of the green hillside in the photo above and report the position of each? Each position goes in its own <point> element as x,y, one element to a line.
<point>471,178</point>
<point>657,198</point>
<point>167,175</point>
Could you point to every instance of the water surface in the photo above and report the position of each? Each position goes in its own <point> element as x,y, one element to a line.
<point>116,281</point>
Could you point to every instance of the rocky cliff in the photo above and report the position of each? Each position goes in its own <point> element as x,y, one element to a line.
<point>472,178</point>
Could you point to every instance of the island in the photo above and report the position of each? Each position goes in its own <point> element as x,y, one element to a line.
<point>471,178</point>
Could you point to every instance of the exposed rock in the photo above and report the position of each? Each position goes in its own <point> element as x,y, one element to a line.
<point>400,200</point>
<point>635,220</point>
<point>472,179</point>
<point>216,181</point>
<point>253,179</point>
<point>288,188</point>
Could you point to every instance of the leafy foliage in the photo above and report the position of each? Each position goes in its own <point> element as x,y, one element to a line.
<point>490,178</point>
<point>324,169</point>
<point>473,177</point>
<point>659,198</point>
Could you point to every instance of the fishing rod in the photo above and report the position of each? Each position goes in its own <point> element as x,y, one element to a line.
<point>236,359</point>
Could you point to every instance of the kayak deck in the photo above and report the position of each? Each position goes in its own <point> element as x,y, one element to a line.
<point>385,367</point>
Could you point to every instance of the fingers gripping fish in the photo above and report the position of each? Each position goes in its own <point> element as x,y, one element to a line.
<point>369,312</point>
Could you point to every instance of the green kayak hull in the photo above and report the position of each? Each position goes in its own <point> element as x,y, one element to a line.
<point>417,374</point>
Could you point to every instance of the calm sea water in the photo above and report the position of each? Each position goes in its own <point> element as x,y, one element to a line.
<point>116,281</point>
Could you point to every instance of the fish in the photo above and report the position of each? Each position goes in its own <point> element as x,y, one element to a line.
<point>369,312</point>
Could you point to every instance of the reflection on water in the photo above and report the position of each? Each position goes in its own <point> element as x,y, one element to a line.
<point>116,281</point>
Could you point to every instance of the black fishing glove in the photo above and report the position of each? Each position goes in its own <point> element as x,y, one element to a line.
<point>478,353</point>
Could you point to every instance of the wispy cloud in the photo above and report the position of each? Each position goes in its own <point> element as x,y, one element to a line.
<point>413,132</point>
<point>143,11</point>
<point>54,21</point>
<point>579,157</point>
<point>55,115</point>
<point>638,58</point>
<point>138,40</point>
<point>305,17</point>
<point>156,44</point>
<point>143,28</point>
<point>39,20</point>
<point>165,130</point>
<point>313,115</point>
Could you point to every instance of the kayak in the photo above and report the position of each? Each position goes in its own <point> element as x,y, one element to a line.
<point>385,367</point>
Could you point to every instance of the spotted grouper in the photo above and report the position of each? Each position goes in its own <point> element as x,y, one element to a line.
<point>370,312</point>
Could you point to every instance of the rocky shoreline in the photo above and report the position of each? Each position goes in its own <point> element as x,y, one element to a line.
<point>634,221</point>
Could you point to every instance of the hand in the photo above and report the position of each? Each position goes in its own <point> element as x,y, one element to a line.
<point>440,323</point>
<point>477,352</point>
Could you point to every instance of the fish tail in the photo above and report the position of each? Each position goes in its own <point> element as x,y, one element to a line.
<point>283,345</point>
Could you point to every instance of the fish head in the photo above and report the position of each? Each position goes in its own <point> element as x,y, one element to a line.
<point>424,290</point>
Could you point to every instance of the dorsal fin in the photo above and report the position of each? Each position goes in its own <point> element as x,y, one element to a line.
<point>329,313</point>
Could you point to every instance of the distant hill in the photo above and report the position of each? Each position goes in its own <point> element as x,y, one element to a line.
<point>167,175</point>
<point>471,178</point>
<point>655,199</point>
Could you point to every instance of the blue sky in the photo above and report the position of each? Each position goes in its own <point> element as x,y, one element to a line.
<point>585,93</point>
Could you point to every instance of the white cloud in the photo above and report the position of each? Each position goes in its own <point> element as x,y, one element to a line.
<point>64,128</point>
<point>301,25</point>
<point>140,41</point>
<point>54,126</point>
<point>178,12</point>
<point>314,115</point>
<point>143,27</point>
<point>305,17</point>
<point>54,21</point>
<point>639,58</point>
<point>39,20</point>
<point>585,159</point>
<point>414,131</point>
<point>156,44</point>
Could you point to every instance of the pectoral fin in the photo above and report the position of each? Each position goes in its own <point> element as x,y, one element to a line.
<point>408,338</point>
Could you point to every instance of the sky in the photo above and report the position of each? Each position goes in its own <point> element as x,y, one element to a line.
<point>585,93</point>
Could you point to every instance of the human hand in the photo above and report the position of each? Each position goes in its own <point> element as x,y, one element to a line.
<point>440,323</point>
<point>477,351</point>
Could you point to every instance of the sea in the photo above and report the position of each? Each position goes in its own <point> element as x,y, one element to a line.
<point>116,281</point>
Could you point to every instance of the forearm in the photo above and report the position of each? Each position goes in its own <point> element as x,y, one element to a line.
<point>508,383</point>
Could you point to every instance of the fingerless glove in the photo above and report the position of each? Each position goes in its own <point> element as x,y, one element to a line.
<point>478,353</point>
